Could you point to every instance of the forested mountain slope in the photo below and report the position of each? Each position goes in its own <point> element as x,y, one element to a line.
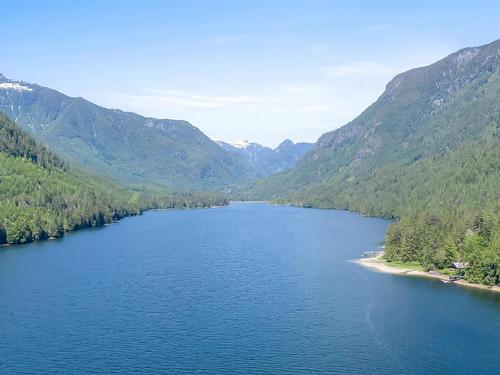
<point>426,151</point>
<point>41,197</point>
<point>423,113</point>
<point>124,146</point>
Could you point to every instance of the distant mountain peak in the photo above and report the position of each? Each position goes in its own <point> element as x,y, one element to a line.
<point>265,160</point>
<point>241,144</point>
<point>286,142</point>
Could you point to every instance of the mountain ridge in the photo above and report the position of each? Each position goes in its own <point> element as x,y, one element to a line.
<point>408,123</point>
<point>125,146</point>
<point>265,160</point>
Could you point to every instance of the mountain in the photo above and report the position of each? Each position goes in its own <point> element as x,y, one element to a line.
<point>423,115</point>
<point>127,147</point>
<point>42,197</point>
<point>427,152</point>
<point>266,161</point>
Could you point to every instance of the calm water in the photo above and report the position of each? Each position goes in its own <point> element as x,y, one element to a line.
<point>248,288</point>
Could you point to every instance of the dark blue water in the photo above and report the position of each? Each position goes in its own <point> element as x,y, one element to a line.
<point>246,289</point>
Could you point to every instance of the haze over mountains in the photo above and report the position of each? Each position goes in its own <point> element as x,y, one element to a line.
<point>134,149</point>
<point>266,161</point>
<point>124,146</point>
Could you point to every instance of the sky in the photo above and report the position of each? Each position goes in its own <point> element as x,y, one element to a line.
<point>257,70</point>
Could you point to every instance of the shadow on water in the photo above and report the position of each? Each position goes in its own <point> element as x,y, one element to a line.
<point>484,295</point>
<point>59,240</point>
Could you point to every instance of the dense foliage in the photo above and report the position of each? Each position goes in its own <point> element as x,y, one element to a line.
<point>437,241</point>
<point>19,144</point>
<point>40,197</point>
<point>426,152</point>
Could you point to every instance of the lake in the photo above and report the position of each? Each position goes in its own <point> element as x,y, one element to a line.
<point>245,289</point>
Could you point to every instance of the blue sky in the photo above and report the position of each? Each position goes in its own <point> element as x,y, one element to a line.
<point>258,70</point>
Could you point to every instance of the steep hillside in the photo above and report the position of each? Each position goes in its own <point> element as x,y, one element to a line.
<point>426,151</point>
<point>41,197</point>
<point>422,115</point>
<point>124,146</point>
<point>266,161</point>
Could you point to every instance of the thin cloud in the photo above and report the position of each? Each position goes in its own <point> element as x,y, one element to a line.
<point>318,108</point>
<point>357,68</point>
<point>191,100</point>
<point>311,89</point>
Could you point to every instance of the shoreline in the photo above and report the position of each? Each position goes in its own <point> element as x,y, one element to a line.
<point>378,265</point>
<point>115,221</point>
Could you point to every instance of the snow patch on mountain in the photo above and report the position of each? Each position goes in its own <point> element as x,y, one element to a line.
<point>241,143</point>
<point>14,86</point>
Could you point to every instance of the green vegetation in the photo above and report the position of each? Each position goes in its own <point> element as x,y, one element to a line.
<point>123,146</point>
<point>427,152</point>
<point>42,197</point>
<point>436,241</point>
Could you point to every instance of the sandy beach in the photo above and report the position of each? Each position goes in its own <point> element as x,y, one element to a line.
<point>380,265</point>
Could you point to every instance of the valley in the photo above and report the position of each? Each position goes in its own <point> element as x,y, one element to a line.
<point>425,153</point>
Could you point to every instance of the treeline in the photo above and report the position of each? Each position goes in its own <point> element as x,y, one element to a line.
<point>437,241</point>
<point>40,202</point>
<point>161,199</point>
<point>40,197</point>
